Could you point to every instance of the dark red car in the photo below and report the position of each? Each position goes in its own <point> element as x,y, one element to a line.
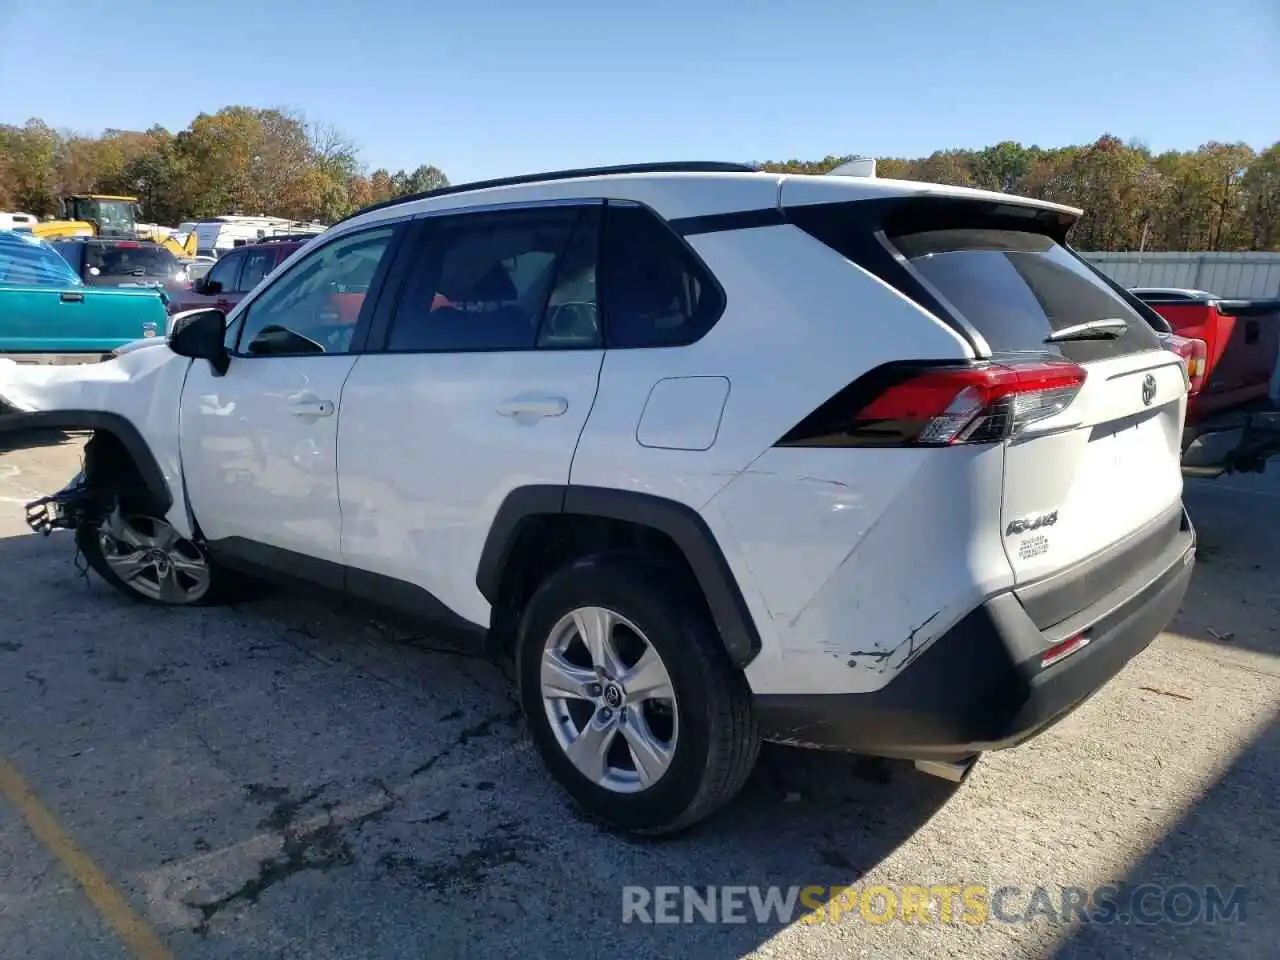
<point>236,273</point>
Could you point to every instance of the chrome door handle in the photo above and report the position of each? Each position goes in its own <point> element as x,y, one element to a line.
<point>533,406</point>
<point>312,408</point>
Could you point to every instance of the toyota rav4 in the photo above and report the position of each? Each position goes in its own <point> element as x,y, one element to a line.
<point>718,455</point>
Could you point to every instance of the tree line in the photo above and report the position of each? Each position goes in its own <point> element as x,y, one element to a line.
<point>1221,196</point>
<point>239,160</point>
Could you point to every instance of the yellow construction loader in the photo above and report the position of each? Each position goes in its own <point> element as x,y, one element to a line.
<point>111,218</point>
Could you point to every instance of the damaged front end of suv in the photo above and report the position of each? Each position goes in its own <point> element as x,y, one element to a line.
<point>126,412</point>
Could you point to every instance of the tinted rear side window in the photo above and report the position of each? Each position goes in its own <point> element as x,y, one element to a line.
<point>482,281</point>
<point>656,293</point>
<point>1016,288</point>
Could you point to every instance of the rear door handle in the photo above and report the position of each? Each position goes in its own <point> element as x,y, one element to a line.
<point>311,408</point>
<point>72,298</point>
<point>529,406</point>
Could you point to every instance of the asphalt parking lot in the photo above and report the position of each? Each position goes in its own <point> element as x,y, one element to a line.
<point>290,779</point>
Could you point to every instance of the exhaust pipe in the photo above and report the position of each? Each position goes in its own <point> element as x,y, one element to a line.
<point>953,770</point>
<point>1208,473</point>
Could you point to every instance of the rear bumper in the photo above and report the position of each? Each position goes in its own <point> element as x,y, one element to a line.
<point>980,686</point>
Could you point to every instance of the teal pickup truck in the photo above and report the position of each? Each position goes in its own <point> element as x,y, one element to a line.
<point>48,314</point>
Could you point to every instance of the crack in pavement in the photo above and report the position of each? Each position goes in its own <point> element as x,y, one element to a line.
<point>481,729</point>
<point>503,845</point>
<point>190,894</point>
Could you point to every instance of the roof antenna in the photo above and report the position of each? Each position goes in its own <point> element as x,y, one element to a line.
<point>855,167</point>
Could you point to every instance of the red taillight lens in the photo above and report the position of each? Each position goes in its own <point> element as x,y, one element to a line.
<point>1194,354</point>
<point>969,404</point>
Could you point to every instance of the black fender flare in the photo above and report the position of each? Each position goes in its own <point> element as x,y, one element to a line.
<point>683,524</point>
<point>14,424</point>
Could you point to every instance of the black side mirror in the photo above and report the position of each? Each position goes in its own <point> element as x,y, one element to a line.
<point>207,287</point>
<point>199,334</point>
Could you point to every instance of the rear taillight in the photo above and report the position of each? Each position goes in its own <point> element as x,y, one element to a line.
<point>942,405</point>
<point>1194,354</point>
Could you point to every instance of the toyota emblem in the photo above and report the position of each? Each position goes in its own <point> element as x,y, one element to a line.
<point>1148,390</point>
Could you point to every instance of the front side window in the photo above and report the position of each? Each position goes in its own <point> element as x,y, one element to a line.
<point>484,282</point>
<point>225,273</point>
<point>315,306</point>
<point>257,264</point>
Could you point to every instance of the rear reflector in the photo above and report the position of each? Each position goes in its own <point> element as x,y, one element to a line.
<point>1060,651</point>
<point>128,245</point>
<point>944,405</point>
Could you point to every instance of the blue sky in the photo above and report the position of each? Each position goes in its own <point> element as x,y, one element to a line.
<point>500,87</point>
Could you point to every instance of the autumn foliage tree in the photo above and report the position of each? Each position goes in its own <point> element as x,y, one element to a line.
<point>1219,197</point>
<point>238,160</point>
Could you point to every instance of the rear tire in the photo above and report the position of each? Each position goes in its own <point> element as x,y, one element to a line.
<point>147,560</point>
<point>657,733</point>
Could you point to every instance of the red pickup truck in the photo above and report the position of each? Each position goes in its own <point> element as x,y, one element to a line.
<point>1231,348</point>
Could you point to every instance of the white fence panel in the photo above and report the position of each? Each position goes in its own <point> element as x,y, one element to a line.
<point>1224,274</point>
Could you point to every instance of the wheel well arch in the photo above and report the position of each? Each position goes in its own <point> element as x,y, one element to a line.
<point>540,528</point>
<point>116,450</point>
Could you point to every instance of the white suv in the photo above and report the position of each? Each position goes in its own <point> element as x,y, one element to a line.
<point>719,455</point>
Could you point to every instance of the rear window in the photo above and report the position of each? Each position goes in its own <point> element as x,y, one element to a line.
<point>27,261</point>
<point>1016,288</point>
<point>140,261</point>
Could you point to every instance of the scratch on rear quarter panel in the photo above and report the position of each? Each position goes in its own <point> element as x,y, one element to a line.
<point>882,660</point>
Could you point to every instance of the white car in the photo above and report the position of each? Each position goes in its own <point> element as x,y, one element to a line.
<point>718,455</point>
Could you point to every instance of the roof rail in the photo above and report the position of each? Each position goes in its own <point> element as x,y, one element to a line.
<point>670,166</point>
<point>282,238</point>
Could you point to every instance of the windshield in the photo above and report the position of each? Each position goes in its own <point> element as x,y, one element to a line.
<point>129,260</point>
<point>28,261</point>
<point>115,218</point>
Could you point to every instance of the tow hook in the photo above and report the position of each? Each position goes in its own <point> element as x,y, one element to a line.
<point>954,770</point>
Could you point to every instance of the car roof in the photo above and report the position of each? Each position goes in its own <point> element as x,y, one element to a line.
<point>281,244</point>
<point>679,190</point>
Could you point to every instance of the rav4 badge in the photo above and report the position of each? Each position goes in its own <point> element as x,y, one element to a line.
<point>1027,524</point>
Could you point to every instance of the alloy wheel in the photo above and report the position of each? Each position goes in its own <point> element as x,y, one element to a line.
<point>609,699</point>
<point>153,559</point>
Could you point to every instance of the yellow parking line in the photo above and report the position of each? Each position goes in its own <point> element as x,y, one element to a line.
<point>106,899</point>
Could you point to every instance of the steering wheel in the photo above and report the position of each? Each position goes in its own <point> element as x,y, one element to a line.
<point>574,320</point>
<point>277,339</point>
